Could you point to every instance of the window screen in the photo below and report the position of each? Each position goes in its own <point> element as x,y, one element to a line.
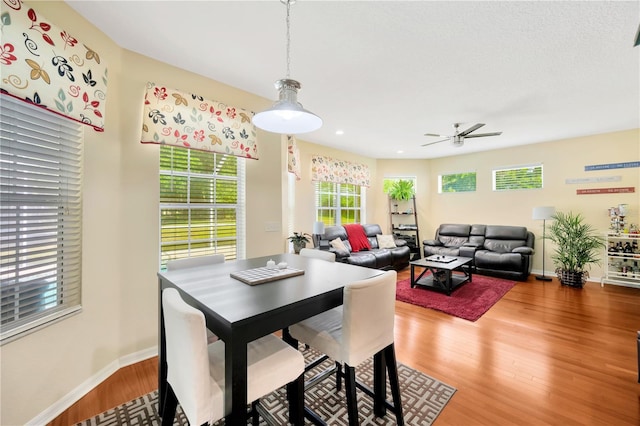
<point>457,182</point>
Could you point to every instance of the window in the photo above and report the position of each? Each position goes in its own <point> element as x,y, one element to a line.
<point>523,177</point>
<point>457,182</point>
<point>339,203</point>
<point>201,204</point>
<point>40,217</point>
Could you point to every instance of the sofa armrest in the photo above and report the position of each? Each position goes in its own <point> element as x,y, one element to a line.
<point>523,250</point>
<point>400,242</point>
<point>432,243</point>
<point>468,250</point>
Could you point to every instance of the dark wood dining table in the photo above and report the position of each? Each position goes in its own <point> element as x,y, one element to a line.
<point>239,313</point>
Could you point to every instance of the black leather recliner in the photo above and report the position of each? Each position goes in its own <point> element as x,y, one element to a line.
<point>498,250</point>
<point>392,258</point>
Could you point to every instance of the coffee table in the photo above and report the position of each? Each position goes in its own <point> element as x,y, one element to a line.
<point>442,278</point>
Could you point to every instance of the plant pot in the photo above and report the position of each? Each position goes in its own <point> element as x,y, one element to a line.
<point>297,246</point>
<point>572,278</point>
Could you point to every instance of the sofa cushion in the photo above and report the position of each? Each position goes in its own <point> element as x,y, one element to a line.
<point>454,229</point>
<point>493,260</point>
<point>503,246</point>
<point>452,241</point>
<point>501,232</point>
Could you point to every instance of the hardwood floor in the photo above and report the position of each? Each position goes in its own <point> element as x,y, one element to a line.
<point>544,354</point>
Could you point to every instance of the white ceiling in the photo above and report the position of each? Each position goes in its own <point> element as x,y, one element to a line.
<point>387,72</point>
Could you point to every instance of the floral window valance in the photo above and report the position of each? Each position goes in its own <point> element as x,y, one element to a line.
<point>326,169</point>
<point>172,117</point>
<point>45,65</point>
<point>293,157</point>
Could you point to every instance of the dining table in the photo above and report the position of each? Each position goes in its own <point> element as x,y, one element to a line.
<point>239,312</point>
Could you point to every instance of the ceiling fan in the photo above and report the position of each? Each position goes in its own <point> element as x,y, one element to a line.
<point>459,137</point>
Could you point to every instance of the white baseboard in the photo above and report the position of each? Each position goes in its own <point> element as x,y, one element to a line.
<point>72,397</point>
<point>553,275</point>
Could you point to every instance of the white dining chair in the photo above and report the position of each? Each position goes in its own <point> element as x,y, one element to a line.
<point>361,328</point>
<point>191,262</point>
<point>196,371</point>
<point>318,254</point>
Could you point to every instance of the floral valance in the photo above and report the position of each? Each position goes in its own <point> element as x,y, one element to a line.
<point>326,169</point>
<point>45,65</point>
<point>293,156</point>
<point>172,117</point>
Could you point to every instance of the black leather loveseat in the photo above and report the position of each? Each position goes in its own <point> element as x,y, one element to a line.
<point>498,250</point>
<point>380,258</point>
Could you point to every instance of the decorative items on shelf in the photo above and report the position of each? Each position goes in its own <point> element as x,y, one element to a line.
<point>616,216</point>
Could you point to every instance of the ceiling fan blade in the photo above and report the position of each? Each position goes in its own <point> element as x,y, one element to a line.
<point>435,135</point>
<point>480,135</point>
<point>471,129</point>
<point>431,143</point>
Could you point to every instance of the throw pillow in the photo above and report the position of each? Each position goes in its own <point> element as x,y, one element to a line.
<point>386,241</point>
<point>339,247</point>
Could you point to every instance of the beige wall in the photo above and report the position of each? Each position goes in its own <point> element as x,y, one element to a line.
<point>120,217</point>
<point>563,159</point>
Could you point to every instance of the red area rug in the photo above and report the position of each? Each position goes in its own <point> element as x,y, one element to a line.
<point>469,301</point>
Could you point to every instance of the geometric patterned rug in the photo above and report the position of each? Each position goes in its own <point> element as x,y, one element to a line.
<point>423,398</point>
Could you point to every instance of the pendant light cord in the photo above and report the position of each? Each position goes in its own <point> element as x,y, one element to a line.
<point>288,38</point>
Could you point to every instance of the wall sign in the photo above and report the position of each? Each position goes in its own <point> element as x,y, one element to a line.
<point>623,190</point>
<point>594,179</point>
<point>609,166</point>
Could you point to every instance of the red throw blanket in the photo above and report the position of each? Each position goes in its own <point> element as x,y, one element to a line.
<point>357,237</point>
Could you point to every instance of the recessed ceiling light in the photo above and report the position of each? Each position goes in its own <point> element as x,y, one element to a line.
<point>400,152</point>
<point>339,132</point>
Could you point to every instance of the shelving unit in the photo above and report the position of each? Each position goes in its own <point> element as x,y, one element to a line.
<point>404,224</point>
<point>622,255</point>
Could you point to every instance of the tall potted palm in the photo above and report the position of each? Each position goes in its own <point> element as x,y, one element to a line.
<point>577,247</point>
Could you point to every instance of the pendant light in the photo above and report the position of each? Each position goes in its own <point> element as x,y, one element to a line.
<point>287,116</point>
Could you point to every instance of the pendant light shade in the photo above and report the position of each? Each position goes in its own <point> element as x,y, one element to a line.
<point>287,116</point>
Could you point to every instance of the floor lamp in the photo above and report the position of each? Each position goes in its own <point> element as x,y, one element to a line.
<point>543,213</point>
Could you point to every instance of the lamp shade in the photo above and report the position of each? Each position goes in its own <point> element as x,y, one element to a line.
<point>287,116</point>
<point>318,228</point>
<point>543,213</point>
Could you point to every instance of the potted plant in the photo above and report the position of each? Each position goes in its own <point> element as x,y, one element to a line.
<point>299,241</point>
<point>577,247</point>
<point>401,190</point>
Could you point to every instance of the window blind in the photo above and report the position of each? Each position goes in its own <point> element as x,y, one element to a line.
<point>523,177</point>
<point>202,199</point>
<point>40,216</point>
<point>339,204</point>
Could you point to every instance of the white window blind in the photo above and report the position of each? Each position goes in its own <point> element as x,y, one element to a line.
<point>457,182</point>
<point>339,203</point>
<point>202,204</point>
<point>40,216</point>
<point>522,177</point>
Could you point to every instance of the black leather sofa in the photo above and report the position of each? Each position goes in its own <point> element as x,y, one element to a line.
<point>379,258</point>
<point>497,250</point>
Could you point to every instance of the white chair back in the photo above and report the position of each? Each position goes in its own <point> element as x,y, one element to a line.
<point>318,254</point>
<point>368,317</point>
<point>191,262</point>
<point>188,360</point>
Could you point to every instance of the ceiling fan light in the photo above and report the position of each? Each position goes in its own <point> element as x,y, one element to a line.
<point>287,116</point>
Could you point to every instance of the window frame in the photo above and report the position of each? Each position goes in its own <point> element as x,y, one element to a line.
<point>460,190</point>
<point>40,219</point>
<point>337,207</point>
<point>521,168</point>
<point>219,242</point>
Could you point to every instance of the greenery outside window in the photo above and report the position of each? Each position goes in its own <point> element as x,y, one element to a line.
<point>339,203</point>
<point>522,177</point>
<point>457,182</point>
<point>202,204</point>
<point>40,217</point>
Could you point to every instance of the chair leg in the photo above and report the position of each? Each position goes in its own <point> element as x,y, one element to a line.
<point>338,376</point>
<point>350,389</point>
<point>392,369</point>
<point>295,396</point>
<point>168,410</point>
<point>255,417</point>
